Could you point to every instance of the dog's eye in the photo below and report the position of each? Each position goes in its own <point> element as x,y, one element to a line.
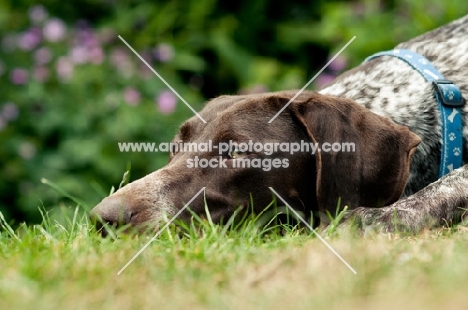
<point>236,153</point>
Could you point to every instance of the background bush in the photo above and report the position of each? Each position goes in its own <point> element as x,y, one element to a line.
<point>70,89</point>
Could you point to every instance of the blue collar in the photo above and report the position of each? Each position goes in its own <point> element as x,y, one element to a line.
<point>449,99</point>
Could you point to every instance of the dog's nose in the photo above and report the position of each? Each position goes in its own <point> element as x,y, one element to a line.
<point>111,210</point>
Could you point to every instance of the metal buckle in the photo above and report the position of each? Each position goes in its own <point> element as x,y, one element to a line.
<point>449,93</point>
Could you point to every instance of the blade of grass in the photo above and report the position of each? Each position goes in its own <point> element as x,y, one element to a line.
<point>7,228</point>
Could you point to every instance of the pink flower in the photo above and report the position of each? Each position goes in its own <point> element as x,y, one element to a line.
<point>42,56</point>
<point>28,40</point>
<point>10,111</point>
<point>96,55</point>
<point>121,60</point>
<point>19,76</point>
<point>54,30</point>
<point>323,80</point>
<point>79,54</point>
<point>87,37</point>
<point>64,68</point>
<point>338,64</point>
<point>41,74</point>
<point>37,14</point>
<point>145,72</point>
<point>132,96</point>
<point>163,52</point>
<point>166,101</point>
<point>118,56</point>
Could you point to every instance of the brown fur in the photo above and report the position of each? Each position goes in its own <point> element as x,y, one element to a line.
<point>374,175</point>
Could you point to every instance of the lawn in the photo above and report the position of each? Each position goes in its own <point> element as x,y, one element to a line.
<point>69,266</point>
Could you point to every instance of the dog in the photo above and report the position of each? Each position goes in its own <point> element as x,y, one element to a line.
<point>385,108</point>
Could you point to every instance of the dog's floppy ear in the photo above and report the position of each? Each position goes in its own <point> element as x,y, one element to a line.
<point>372,174</point>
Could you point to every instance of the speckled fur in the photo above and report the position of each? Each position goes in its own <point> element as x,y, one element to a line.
<point>391,88</point>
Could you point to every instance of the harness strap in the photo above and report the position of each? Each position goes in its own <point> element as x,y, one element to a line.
<point>449,100</point>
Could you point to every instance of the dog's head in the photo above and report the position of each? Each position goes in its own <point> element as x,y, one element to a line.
<point>360,157</point>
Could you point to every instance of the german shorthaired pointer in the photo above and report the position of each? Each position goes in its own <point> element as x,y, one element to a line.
<point>385,107</point>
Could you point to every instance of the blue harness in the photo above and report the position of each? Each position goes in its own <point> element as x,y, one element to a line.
<point>449,99</point>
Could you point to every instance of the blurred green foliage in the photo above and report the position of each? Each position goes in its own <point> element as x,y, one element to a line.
<point>71,90</point>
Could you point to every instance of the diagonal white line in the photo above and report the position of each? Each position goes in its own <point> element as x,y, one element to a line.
<point>310,227</point>
<point>164,81</point>
<point>311,80</point>
<point>160,231</point>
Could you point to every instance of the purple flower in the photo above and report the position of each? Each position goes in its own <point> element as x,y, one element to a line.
<point>121,60</point>
<point>339,63</point>
<point>119,55</point>
<point>10,111</point>
<point>166,101</point>
<point>64,68</point>
<point>42,56</point>
<point>146,56</point>
<point>163,52</point>
<point>323,80</point>
<point>41,74</point>
<point>145,72</point>
<point>79,54</point>
<point>19,76</point>
<point>28,40</point>
<point>96,55</point>
<point>54,30</point>
<point>87,37</point>
<point>132,96</point>
<point>37,14</point>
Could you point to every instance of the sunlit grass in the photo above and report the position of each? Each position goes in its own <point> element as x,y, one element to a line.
<point>250,262</point>
<point>64,263</point>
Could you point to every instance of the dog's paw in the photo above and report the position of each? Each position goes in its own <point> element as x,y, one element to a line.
<point>376,220</point>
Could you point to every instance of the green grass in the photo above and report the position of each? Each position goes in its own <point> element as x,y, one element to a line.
<point>67,265</point>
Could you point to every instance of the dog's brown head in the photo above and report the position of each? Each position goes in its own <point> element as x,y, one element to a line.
<point>365,160</point>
